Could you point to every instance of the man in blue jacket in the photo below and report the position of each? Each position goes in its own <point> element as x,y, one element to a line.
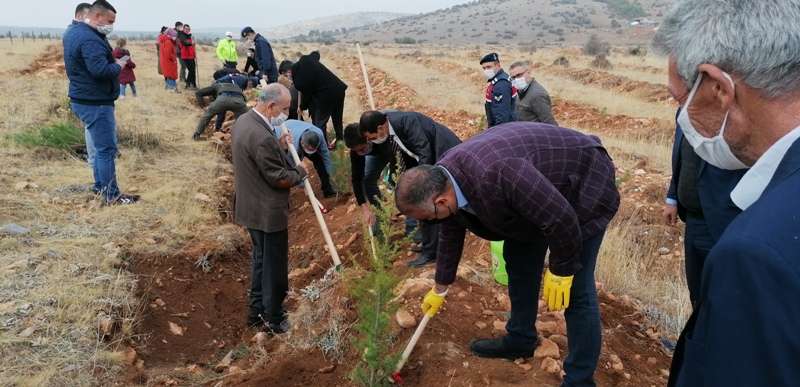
<point>700,194</point>
<point>265,59</point>
<point>734,67</point>
<point>93,87</point>
<point>501,96</point>
<point>307,141</point>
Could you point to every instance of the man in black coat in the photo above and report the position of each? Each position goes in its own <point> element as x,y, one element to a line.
<point>315,81</point>
<point>425,141</point>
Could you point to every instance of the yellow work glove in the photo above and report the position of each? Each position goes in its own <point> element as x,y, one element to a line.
<point>433,301</point>
<point>556,290</point>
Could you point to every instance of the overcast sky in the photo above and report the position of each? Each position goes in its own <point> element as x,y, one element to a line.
<point>144,15</point>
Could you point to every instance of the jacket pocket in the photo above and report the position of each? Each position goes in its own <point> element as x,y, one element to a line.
<point>691,373</point>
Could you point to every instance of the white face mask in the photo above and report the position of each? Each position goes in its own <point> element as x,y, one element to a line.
<point>229,37</point>
<point>713,150</point>
<point>488,73</point>
<point>106,29</point>
<point>380,140</point>
<point>277,121</point>
<point>250,41</point>
<point>519,83</point>
<point>309,152</point>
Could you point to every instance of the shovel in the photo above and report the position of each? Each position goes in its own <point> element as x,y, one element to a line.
<point>413,342</point>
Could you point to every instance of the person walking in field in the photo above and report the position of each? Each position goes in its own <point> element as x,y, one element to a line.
<point>168,60</point>
<point>126,77</point>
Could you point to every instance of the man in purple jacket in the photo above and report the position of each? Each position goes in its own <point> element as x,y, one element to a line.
<point>535,186</point>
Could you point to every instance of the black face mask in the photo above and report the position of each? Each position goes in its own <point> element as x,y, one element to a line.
<point>436,220</point>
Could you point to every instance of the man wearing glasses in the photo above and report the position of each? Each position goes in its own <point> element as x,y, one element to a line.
<point>534,101</point>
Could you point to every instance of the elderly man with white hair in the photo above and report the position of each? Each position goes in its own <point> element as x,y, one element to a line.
<point>734,65</point>
<point>261,187</point>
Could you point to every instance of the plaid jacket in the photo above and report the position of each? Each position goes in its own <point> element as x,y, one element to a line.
<point>525,181</point>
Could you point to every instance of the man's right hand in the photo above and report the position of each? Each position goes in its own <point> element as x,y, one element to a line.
<point>670,215</point>
<point>303,167</point>
<point>367,214</point>
<point>121,63</point>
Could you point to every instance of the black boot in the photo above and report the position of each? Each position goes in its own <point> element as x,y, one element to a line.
<point>498,348</point>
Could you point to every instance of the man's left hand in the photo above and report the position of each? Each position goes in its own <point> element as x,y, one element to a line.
<point>556,291</point>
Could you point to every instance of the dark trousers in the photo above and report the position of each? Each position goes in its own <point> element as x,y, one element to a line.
<point>270,275</point>
<point>324,177</point>
<point>230,65</point>
<point>221,105</point>
<point>191,79</point>
<point>219,121</point>
<point>182,72</point>
<point>329,109</point>
<point>524,264</point>
<point>697,242</point>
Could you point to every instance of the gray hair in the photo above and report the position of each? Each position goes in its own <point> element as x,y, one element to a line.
<point>757,40</point>
<point>310,139</point>
<point>272,93</point>
<point>522,64</point>
<point>417,187</point>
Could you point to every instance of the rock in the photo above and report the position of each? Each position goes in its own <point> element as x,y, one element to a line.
<point>14,229</point>
<point>551,366</point>
<point>195,369</point>
<point>405,319</point>
<point>225,363</point>
<point>519,361</point>
<point>561,341</point>
<point>637,357</point>
<point>27,332</point>
<point>526,367</point>
<point>130,356</point>
<point>327,369</point>
<point>652,361</point>
<point>202,197</point>
<point>414,287</point>
<point>499,326</point>
<point>132,189</point>
<point>234,370</point>
<point>351,208</point>
<point>663,250</point>
<point>150,241</point>
<point>70,367</point>
<point>481,325</point>
<point>547,348</point>
<point>44,195</point>
<point>639,172</point>
<point>548,328</point>
<point>106,323</point>
<point>487,312</point>
<point>615,359</point>
<point>260,338</point>
<point>176,329</point>
<point>159,302</point>
<point>504,301</point>
<point>618,366</point>
<point>431,274</point>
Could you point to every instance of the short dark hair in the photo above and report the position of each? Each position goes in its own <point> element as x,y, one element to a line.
<point>163,28</point>
<point>102,6</point>
<point>186,25</point>
<point>310,139</point>
<point>352,135</point>
<point>417,187</point>
<point>178,24</point>
<point>82,7</point>
<point>285,66</point>
<point>370,120</point>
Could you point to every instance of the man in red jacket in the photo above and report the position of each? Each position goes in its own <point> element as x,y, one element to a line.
<point>186,43</point>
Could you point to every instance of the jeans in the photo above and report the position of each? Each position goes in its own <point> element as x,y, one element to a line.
<point>270,276</point>
<point>171,84</point>
<point>524,264</point>
<point>102,126</point>
<point>698,242</point>
<point>122,89</point>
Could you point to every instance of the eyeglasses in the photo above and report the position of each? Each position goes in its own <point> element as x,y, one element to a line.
<point>520,75</point>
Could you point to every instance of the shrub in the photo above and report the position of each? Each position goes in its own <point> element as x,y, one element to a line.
<point>64,135</point>
<point>595,46</point>
<point>637,51</point>
<point>340,178</point>
<point>561,61</point>
<point>602,63</point>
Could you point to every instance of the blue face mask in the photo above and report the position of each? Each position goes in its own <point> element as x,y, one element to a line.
<point>366,152</point>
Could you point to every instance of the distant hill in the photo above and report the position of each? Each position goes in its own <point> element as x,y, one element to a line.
<point>528,22</point>
<point>330,24</point>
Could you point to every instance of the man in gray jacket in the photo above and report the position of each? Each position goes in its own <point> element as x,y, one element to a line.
<point>534,101</point>
<point>261,203</point>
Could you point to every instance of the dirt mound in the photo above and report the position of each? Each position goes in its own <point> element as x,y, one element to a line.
<point>647,91</point>
<point>49,65</point>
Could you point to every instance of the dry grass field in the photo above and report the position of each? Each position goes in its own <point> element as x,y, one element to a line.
<point>72,309</point>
